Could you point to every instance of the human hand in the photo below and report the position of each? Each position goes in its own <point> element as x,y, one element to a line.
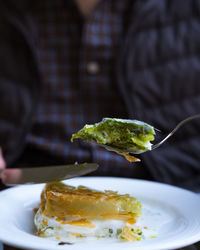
<point>2,164</point>
<point>2,161</point>
<point>8,175</point>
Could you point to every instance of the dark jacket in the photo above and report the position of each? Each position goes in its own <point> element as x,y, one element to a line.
<point>158,74</point>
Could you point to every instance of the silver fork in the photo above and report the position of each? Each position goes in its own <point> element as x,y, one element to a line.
<point>154,146</point>
<point>180,124</point>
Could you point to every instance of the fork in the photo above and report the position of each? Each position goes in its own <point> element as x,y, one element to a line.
<point>154,146</point>
<point>180,124</point>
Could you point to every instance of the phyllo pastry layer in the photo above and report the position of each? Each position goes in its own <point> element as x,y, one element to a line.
<point>69,213</point>
<point>65,202</point>
<point>119,135</point>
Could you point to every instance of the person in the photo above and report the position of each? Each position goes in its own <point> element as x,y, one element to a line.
<point>67,63</point>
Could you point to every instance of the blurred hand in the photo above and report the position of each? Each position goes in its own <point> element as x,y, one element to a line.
<point>8,176</point>
<point>2,161</point>
<point>2,164</point>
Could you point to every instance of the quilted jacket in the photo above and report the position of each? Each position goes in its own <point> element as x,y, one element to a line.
<point>158,74</point>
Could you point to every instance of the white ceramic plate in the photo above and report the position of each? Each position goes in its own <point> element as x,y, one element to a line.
<point>172,212</point>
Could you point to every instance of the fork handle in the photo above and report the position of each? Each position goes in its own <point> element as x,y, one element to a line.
<point>180,124</point>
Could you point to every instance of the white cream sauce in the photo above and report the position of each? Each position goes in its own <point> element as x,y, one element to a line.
<point>155,220</point>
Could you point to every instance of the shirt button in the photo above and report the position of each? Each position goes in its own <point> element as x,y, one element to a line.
<point>93,67</point>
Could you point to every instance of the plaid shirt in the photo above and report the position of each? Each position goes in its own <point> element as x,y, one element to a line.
<point>77,57</point>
